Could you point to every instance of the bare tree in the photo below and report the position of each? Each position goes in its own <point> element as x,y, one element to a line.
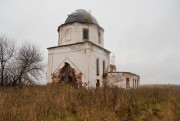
<point>27,65</point>
<point>7,50</point>
<point>19,66</point>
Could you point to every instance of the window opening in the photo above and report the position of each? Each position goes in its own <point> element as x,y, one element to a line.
<point>86,34</point>
<point>97,83</point>
<point>99,37</point>
<point>104,67</point>
<point>127,83</point>
<point>97,67</point>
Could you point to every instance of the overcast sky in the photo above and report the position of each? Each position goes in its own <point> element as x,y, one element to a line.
<point>144,35</point>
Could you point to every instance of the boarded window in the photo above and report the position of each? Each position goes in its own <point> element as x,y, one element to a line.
<point>67,34</point>
<point>85,34</point>
<point>97,67</point>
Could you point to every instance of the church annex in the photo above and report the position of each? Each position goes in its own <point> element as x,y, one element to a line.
<point>80,58</point>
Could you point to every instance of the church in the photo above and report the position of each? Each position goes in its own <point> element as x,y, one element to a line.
<point>80,58</point>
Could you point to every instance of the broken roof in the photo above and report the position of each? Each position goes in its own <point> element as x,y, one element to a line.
<point>125,73</point>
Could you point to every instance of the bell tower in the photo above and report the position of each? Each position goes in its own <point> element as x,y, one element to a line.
<point>80,26</point>
<point>80,57</point>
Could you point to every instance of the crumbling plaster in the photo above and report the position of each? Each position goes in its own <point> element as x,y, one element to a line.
<point>81,56</point>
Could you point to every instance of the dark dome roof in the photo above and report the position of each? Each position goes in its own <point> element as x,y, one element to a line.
<point>81,16</point>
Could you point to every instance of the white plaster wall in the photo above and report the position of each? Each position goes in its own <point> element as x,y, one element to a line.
<point>82,56</point>
<point>102,56</point>
<point>75,34</point>
<point>57,57</point>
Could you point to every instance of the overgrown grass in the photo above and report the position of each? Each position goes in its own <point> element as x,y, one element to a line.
<point>65,103</point>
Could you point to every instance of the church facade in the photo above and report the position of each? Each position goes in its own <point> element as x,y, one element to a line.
<point>80,58</point>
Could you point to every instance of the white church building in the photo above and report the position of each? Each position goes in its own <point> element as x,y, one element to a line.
<point>80,58</point>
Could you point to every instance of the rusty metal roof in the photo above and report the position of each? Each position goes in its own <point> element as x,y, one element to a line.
<point>81,16</point>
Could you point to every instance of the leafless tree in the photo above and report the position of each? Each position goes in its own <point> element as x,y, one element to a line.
<point>7,50</point>
<point>27,65</point>
<point>19,66</point>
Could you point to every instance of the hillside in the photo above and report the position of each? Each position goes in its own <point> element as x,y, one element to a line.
<point>62,102</point>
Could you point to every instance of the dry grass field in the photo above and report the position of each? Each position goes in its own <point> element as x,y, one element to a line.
<point>65,103</point>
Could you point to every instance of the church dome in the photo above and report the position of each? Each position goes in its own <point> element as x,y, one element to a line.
<point>81,16</point>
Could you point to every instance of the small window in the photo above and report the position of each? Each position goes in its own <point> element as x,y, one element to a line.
<point>137,84</point>
<point>104,67</point>
<point>86,34</point>
<point>99,37</point>
<point>127,83</point>
<point>97,67</point>
<point>97,83</point>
